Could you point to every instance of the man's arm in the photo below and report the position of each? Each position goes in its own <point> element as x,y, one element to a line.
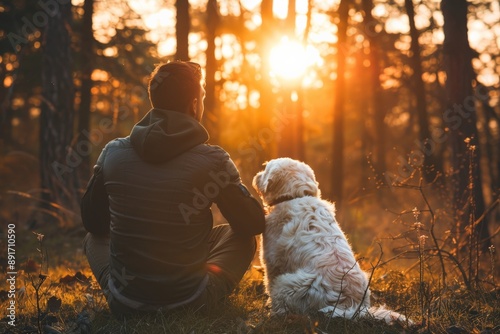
<point>95,203</point>
<point>242,211</point>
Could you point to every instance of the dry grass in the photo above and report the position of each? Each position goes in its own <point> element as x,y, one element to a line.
<point>84,310</point>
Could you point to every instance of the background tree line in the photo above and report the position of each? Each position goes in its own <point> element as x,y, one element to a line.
<point>397,93</point>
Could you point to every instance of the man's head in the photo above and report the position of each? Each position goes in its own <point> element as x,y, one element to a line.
<point>178,86</point>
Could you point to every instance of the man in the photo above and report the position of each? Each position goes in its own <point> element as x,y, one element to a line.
<point>151,244</point>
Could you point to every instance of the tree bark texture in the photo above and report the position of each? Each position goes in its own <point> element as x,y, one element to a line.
<point>6,112</point>
<point>58,161</point>
<point>430,165</point>
<point>266,38</point>
<point>461,118</point>
<point>376,91</point>
<point>182,27</point>
<point>339,105</point>
<point>211,118</point>
<point>87,59</point>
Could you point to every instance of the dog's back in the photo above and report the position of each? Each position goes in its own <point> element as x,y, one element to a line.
<point>311,264</point>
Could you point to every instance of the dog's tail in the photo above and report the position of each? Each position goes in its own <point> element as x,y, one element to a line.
<point>376,312</point>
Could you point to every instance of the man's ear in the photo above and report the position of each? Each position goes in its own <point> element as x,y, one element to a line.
<point>193,108</point>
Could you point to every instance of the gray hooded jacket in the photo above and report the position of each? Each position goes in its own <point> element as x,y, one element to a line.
<point>152,192</point>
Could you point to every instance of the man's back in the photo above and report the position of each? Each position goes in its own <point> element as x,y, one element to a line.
<point>151,193</point>
<point>159,211</point>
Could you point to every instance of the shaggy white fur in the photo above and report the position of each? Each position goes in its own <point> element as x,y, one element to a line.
<point>309,264</point>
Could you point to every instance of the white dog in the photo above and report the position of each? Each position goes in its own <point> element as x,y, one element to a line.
<point>309,264</point>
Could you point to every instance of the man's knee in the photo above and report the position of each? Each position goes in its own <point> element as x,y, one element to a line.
<point>247,245</point>
<point>251,243</point>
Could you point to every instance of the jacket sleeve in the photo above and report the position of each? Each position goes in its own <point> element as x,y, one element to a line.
<point>95,203</point>
<point>242,211</point>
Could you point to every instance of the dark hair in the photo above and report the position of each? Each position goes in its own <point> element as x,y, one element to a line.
<point>174,85</point>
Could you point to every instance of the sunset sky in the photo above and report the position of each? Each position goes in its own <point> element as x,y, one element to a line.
<point>159,18</point>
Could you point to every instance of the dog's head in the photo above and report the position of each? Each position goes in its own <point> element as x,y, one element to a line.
<point>285,177</point>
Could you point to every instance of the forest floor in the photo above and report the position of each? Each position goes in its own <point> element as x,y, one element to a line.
<point>71,302</point>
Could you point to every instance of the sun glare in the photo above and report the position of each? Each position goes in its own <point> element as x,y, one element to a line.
<point>290,59</point>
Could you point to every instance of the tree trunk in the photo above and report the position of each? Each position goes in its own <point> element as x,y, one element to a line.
<point>339,106</point>
<point>290,18</point>
<point>307,29</point>
<point>6,113</point>
<point>211,67</point>
<point>87,58</point>
<point>266,12</point>
<point>291,139</point>
<point>492,150</point>
<point>8,25</point>
<point>430,165</point>
<point>182,27</point>
<point>57,159</point>
<point>461,118</point>
<point>376,92</point>
<point>266,37</point>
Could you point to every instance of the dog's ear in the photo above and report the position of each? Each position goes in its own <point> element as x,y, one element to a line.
<point>257,183</point>
<point>266,178</point>
<point>269,186</point>
<point>274,181</point>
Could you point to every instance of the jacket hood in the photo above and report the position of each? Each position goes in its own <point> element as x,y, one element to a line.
<point>163,134</point>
